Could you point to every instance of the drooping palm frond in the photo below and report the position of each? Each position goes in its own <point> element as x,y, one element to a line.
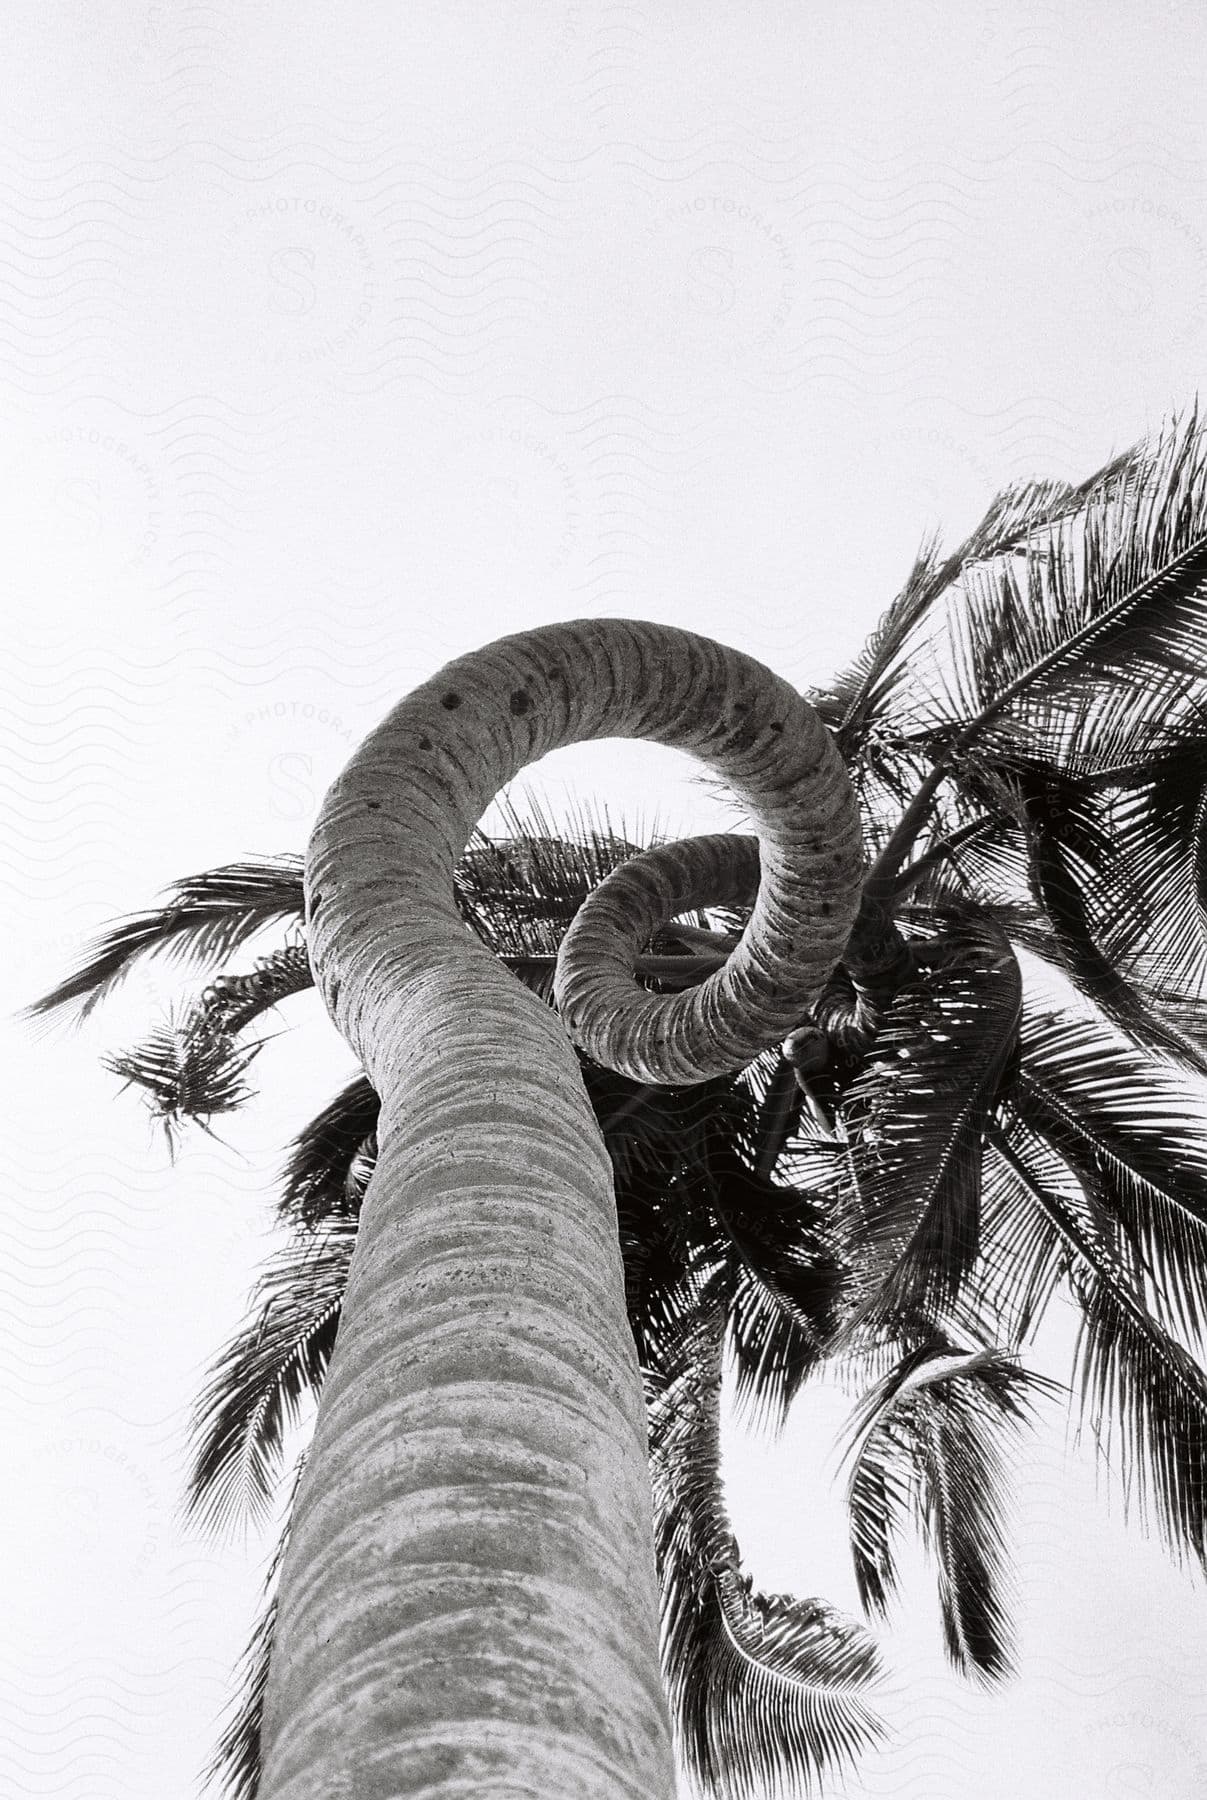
<point>1023,1262</point>
<point>764,1689</point>
<point>881,689</point>
<point>1134,1141</point>
<point>790,1286</point>
<point>256,1389</point>
<point>1097,631</point>
<point>926,1448</point>
<point>331,1159</point>
<point>184,1077</point>
<point>686,1190</point>
<point>236,1762</point>
<point>1143,1395</point>
<point>1057,863</point>
<point>1155,816</point>
<point>1081,885</point>
<point>205,919</point>
<point>521,891</point>
<point>193,1067</point>
<point>916,1114</point>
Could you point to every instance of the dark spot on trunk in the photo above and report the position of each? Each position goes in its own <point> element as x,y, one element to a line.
<point>315,904</point>
<point>450,702</point>
<point>332,994</point>
<point>520,702</point>
<point>425,743</point>
<point>776,725</point>
<point>373,805</point>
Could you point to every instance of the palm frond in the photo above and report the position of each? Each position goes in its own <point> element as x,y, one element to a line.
<point>1079,882</point>
<point>331,1159</point>
<point>1156,820</point>
<point>1143,1395</point>
<point>1098,910</point>
<point>1110,611</point>
<point>916,1114</point>
<point>205,918</point>
<point>764,1689</point>
<point>773,1353</point>
<point>184,1076</point>
<point>927,1448</point>
<point>193,1067</point>
<point>1129,1135</point>
<point>257,1386</point>
<point>236,1762</point>
<point>520,892</point>
<point>1023,1260</point>
<point>871,691</point>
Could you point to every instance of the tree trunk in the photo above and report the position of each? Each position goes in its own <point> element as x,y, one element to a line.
<point>468,1605</point>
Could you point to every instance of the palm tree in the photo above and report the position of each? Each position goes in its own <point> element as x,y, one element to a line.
<point>979,1104</point>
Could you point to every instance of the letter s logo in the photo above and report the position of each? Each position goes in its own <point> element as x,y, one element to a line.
<point>709,270</point>
<point>1131,1781</point>
<point>294,293</point>
<point>291,794</point>
<point>81,500</point>
<point>1128,269</point>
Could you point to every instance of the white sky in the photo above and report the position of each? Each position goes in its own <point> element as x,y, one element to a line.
<point>333,344</point>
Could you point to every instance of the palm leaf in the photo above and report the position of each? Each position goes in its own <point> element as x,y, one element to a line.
<point>330,1161</point>
<point>889,665</point>
<point>193,1067</point>
<point>927,1448</point>
<point>257,1386</point>
<point>1111,610</point>
<point>1023,1262</point>
<point>916,1115</point>
<point>206,918</point>
<point>237,1760</point>
<point>1096,896</point>
<point>1131,1138</point>
<point>184,1076</point>
<point>1157,821</point>
<point>764,1689</point>
<point>520,892</point>
<point>773,1353</point>
<point>1076,876</point>
<point>1142,1393</point>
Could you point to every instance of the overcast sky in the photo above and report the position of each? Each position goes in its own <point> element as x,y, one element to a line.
<point>336,343</point>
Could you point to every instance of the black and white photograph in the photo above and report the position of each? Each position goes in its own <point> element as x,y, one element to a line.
<point>605,884</point>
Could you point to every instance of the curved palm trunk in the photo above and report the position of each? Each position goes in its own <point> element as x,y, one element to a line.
<point>469,1605</point>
